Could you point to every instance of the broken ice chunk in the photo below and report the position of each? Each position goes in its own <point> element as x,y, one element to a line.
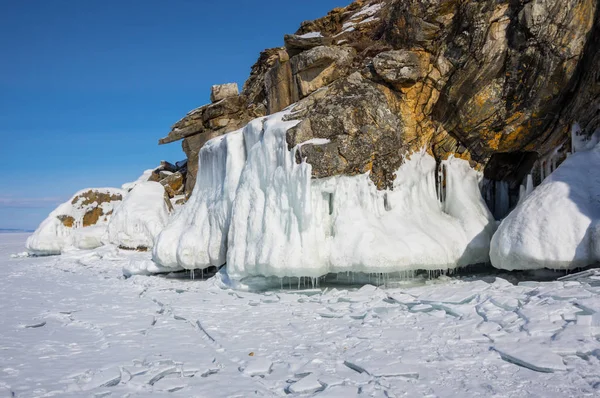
<point>258,367</point>
<point>307,385</point>
<point>377,369</point>
<point>340,392</point>
<point>421,308</point>
<point>455,294</point>
<point>104,378</point>
<point>534,357</point>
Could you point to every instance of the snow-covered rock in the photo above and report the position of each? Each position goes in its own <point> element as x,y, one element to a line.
<point>128,186</point>
<point>259,211</point>
<point>557,225</point>
<point>143,214</point>
<point>78,223</point>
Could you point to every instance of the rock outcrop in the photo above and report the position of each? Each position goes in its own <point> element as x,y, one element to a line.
<point>498,83</point>
<point>171,176</point>
<point>78,223</point>
<point>222,91</point>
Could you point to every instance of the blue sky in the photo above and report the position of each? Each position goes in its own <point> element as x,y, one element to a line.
<point>88,87</point>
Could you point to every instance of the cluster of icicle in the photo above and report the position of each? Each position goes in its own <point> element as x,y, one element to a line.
<point>258,211</point>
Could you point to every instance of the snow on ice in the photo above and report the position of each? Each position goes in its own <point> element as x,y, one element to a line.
<point>141,179</point>
<point>72,326</point>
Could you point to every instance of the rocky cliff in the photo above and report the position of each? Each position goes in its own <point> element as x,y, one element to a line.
<point>496,82</point>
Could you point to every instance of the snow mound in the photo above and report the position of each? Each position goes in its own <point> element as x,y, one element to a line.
<point>138,221</point>
<point>259,211</point>
<point>128,186</point>
<point>78,223</point>
<point>558,225</point>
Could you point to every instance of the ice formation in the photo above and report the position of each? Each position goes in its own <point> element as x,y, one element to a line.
<point>53,236</point>
<point>196,237</point>
<point>582,142</point>
<point>140,218</point>
<point>558,224</point>
<point>526,188</point>
<point>501,199</point>
<point>549,163</point>
<point>259,211</point>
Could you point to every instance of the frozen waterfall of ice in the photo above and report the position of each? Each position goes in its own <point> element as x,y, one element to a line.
<point>558,224</point>
<point>140,218</point>
<point>196,237</point>
<point>53,237</point>
<point>256,209</point>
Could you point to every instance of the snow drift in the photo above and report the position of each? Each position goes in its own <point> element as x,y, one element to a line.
<point>128,186</point>
<point>256,209</point>
<point>140,218</point>
<point>557,225</point>
<point>78,223</point>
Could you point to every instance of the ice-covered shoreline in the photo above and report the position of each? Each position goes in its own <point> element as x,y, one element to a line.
<point>72,327</point>
<point>260,212</point>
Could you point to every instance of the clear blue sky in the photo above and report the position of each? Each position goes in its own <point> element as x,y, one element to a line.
<point>88,87</point>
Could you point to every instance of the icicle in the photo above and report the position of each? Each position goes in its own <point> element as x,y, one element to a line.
<point>501,199</point>
<point>522,193</point>
<point>529,184</point>
<point>575,142</point>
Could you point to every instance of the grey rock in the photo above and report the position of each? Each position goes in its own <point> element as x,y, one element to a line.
<point>295,44</point>
<point>319,66</point>
<point>399,66</point>
<point>222,91</point>
<point>362,125</point>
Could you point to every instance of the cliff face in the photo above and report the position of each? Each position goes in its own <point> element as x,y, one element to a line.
<point>496,82</point>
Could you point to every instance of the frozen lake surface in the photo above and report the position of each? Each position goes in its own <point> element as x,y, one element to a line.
<point>73,326</point>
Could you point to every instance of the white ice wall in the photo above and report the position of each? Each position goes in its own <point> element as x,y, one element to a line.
<point>196,237</point>
<point>558,224</point>
<point>259,211</point>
